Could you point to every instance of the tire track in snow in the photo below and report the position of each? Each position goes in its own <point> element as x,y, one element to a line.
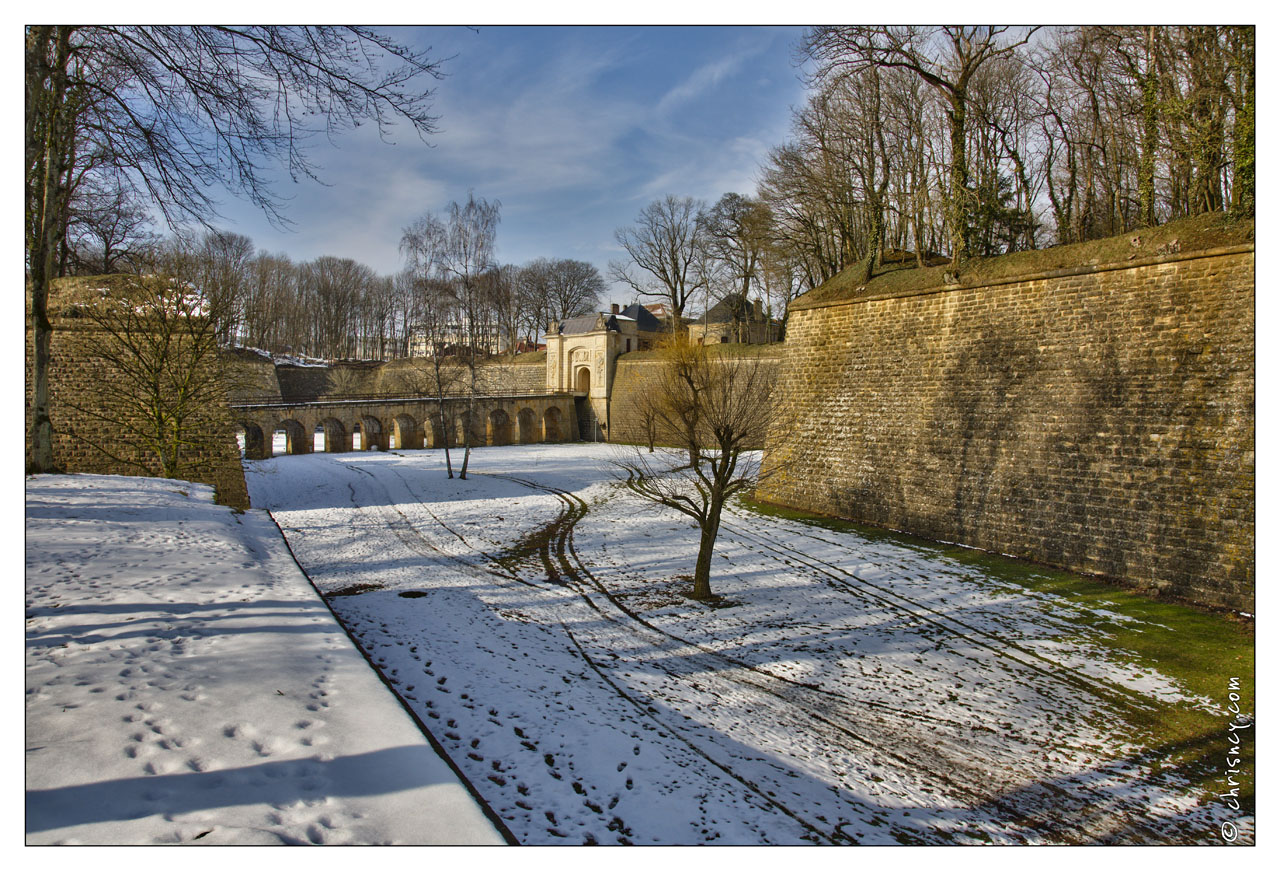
<point>405,531</point>
<point>1051,800</point>
<point>814,704</point>
<point>800,695</point>
<point>1116,696</point>
<point>402,527</point>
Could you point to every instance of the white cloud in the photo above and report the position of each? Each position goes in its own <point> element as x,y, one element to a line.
<point>573,130</point>
<point>705,78</point>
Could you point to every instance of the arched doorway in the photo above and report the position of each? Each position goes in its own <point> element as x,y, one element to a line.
<point>405,433</point>
<point>551,426</point>
<point>372,438</point>
<point>527,423</point>
<point>582,381</point>
<point>253,444</point>
<point>295,438</point>
<point>441,426</point>
<point>499,427</point>
<point>336,438</point>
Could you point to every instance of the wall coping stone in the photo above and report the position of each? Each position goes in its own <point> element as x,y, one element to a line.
<point>1088,269</point>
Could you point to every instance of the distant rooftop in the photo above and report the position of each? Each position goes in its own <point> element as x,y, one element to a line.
<point>644,320</point>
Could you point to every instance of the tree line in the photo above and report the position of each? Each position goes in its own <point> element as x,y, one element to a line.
<point>937,144</point>
<point>338,308</point>
<point>979,141</point>
<point>163,116</point>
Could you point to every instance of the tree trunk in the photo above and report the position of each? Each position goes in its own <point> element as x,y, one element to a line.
<point>1150,137</point>
<point>702,569</point>
<point>706,547</point>
<point>49,136</point>
<point>1242,134</point>
<point>958,205</point>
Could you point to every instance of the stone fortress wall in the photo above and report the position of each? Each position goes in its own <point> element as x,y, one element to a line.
<point>84,443</point>
<point>262,379</point>
<point>635,376</point>
<point>1098,419</point>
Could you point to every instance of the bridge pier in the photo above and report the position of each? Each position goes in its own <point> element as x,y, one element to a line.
<point>256,445</point>
<point>373,435</point>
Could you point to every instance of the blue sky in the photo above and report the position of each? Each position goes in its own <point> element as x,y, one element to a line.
<point>573,129</point>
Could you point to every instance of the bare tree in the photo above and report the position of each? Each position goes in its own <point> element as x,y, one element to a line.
<point>668,245</point>
<point>221,261</point>
<point>272,315</point>
<point>553,290</point>
<point>574,288</point>
<point>332,288</point>
<point>713,412</point>
<point>1145,124</point>
<point>437,325</point>
<point>738,230</point>
<point>174,112</point>
<point>809,233</point>
<point>506,303</point>
<point>457,251</point>
<point>107,232</point>
<point>408,309</point>
<point>945,58</point>
<point>467,257</point>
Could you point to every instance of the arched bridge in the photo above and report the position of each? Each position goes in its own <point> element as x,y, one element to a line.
<point>404,422</point>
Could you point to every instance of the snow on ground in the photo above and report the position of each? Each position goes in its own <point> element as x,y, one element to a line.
<point>849,690</point>
<point>186,684</point>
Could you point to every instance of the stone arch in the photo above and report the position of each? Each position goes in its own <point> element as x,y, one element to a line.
<point>253,443</point>
<point>440,427</point>
<point>372,435</point>
<point>499,429</point>
<point>337,438</point>
<point>553,425</point>
<point>526,426</point>
<point>405,433</point>
<point>296,439</point>
<point>582,380</point>
<point>467,422</point>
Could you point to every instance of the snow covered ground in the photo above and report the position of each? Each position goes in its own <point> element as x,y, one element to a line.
<point>185,684</point>
<point>846,690</point>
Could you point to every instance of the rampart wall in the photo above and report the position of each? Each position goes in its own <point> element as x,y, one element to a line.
<point>80,387</point>
<point>1099,419</point>
<point>407,376</point>
<point>637,377</point>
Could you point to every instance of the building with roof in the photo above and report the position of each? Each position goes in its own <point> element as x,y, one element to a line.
<point>735,319</point>
<point>455,339</point>
<point>581,356</point>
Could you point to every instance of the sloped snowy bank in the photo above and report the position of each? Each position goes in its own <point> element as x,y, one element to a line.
<point>186,685</point>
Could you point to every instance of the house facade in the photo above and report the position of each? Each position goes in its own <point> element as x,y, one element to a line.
<point>735,319</point>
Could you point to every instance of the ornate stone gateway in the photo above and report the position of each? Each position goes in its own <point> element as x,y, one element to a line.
<point>582,356</point>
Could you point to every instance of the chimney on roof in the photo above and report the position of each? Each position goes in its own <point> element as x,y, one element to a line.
<point>614,306</point>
